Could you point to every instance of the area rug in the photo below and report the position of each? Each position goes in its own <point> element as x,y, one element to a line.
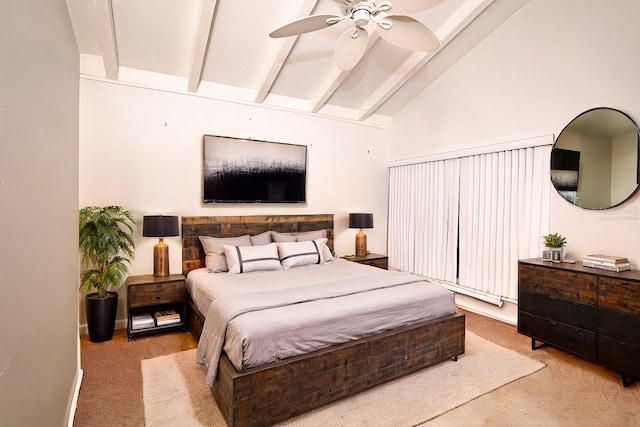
<point>175,392</point>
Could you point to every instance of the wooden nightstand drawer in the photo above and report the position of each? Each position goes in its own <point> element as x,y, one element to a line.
<point>156,293</point>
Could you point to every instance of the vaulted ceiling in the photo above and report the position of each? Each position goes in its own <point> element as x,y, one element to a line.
<point>221,49</point>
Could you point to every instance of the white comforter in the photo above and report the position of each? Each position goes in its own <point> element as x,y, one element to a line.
<point>265,316</point>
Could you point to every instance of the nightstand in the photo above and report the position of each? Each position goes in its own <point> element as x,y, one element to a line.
<point>376,260</point>
<point>148,294</point>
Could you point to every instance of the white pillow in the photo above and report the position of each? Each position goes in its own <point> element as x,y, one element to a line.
<point>296,254</point>
<point>215,259</point>
<point>303,237</point>
<point>243,259</point>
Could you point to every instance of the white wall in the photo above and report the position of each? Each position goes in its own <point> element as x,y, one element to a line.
<point>544,66</point>
<point>39,343</point>
<point>142,149</point>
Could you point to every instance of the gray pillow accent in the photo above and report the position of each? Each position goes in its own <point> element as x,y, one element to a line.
<point>261,239</point>
<point>215,259</point>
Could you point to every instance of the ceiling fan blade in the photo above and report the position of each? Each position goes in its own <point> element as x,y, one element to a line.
<point>403,7</point>
<point>350,50</point>
<point>305,25</point>
<point>408,33</point>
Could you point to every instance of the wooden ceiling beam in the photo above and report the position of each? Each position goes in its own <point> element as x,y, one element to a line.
<point>106,31</point>
<point>466,13</point>
<point>201,42</point>
<point>281,54</point>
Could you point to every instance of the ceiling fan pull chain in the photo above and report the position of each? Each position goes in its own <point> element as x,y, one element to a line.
<point>355,33</point>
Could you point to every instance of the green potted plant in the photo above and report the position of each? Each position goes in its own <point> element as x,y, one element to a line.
<point>555,242</point>
<point>107,248</point>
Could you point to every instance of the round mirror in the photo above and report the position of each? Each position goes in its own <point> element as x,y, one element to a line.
<point>594,161</point>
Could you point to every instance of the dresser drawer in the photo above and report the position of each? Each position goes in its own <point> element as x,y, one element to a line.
<point>619,325</point>
<point>558,283</point>
<point>574,339</point>
<point>156,293</point>
<point>570,312</point>
<point>619,355</point>
<point>619,294</point>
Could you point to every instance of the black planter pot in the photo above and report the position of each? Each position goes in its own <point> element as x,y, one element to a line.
<point>101,316</point>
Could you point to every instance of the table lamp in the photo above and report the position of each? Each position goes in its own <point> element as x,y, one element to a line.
<point>360,221</point>
<point>160,226</point>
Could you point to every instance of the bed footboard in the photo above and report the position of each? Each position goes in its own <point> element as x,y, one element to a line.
<point>265,395</point>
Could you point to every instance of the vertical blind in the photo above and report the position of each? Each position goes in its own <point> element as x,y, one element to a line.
<point>468,220</point>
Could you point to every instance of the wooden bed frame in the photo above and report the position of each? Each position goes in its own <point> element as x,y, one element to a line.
<point>275,392</point>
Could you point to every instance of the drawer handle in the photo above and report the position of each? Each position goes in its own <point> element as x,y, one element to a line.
<point>624,315</point>
<point>553,323</point>
<point>158,296</point>
<point>623,283</point>
<point>624,303</point>
<point>158,286</point>
<point>574,274</point>
<point>576,330</point>
<point>623,344</point>
<point>553,298</point>
<point>535,285</point>
<point>575,304</point>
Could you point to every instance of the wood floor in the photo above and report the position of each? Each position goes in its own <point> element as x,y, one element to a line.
<point>569,390</point>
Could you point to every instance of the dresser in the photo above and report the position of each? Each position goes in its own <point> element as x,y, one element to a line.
<point>590,312</point>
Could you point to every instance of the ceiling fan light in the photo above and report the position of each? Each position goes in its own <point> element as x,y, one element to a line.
<point>361,17</point>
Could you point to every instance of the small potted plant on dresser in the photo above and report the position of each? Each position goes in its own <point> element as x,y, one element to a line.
<point>555,242</point>
<point>107,248</point>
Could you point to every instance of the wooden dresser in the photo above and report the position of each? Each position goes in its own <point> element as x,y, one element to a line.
<point>590,312</point>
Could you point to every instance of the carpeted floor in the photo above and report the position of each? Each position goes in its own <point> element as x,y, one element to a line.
<point>568,392</point>
<point>175,393</point>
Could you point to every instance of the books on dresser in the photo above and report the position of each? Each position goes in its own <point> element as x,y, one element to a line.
<point>606,262</point>
<point>166,317</point>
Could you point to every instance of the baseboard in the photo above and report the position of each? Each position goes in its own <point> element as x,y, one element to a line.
<point>120,324</point>
<point>508,313</point>
<point>74,400</point>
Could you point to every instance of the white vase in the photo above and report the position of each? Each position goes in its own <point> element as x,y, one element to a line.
<point>557,254</point>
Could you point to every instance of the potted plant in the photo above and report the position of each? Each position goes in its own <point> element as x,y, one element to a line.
<point>107,248</point>
<point>555,242</point>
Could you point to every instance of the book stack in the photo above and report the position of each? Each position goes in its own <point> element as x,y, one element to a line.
<point>142,321</point>
<point>606,262</point>
<point>167,317</point>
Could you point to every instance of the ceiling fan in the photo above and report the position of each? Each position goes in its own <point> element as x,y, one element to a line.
<point>391,22</point>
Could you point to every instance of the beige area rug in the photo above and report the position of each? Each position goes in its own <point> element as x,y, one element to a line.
<point>175,392</point>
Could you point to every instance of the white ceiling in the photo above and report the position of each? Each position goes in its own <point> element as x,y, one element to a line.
<point>221,49</point>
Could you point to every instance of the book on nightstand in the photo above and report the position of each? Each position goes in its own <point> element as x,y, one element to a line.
<point>142,321</point>
<point>167,317</point>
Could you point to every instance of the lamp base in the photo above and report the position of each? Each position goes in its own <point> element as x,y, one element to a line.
<point>361,244</point>
<point>161,259</point>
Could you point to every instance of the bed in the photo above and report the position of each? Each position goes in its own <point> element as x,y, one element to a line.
<point>281,389</point>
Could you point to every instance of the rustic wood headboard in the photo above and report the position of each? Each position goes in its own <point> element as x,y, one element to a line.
<point>232,226</point>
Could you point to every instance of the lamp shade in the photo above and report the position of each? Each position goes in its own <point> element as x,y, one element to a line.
<point>160,226</point>
<point>360,220</point>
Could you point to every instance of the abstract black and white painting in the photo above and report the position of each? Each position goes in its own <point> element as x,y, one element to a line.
<point>249,171</point>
